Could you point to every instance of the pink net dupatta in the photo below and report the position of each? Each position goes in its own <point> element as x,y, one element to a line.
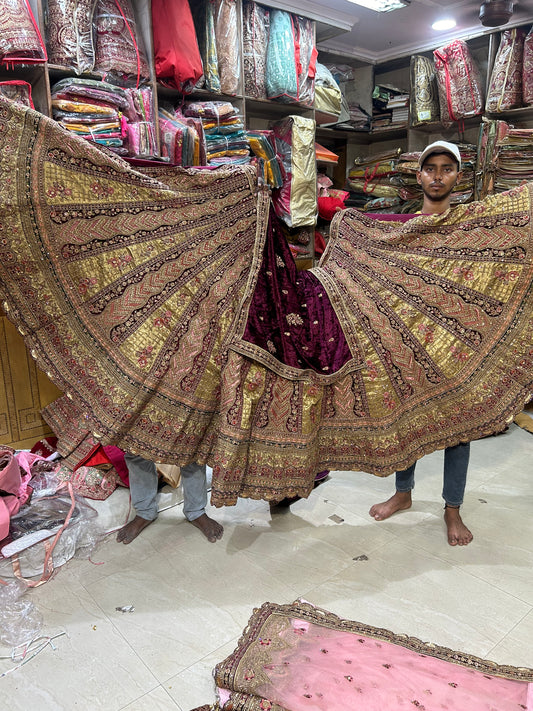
<point>296,657</point>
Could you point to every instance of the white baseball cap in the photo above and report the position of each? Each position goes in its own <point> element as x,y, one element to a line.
<point>440,147</point>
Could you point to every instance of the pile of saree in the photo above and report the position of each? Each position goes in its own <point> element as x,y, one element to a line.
<point>298,656</point>
<point>168,310</point>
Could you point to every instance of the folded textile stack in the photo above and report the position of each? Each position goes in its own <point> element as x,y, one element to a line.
<point>181,142</point>
<point>263,145</point>
<point>508,154</point>
<point>118,118</point>
<point>225,138</point>
<point>359,119</point>
<point>372,175</point>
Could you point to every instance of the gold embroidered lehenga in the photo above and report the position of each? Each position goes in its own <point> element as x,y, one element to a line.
<point>164,309</point>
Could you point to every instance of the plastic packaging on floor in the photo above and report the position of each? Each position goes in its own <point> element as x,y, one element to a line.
<point>20,621</point>
<point>54,526</point>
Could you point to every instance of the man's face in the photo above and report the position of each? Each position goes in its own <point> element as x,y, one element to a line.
<point>438,176</point>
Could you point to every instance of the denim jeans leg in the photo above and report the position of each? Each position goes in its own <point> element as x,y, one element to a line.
<point>405,479</point>
<point>455,469</point>
<point>143,485</point>
<point>194,479</point>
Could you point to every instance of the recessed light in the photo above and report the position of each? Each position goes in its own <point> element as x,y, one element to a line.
<point>381,5</point>
<point>442,25</point>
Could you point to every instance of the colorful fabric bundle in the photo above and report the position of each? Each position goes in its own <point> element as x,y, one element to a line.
<point>508,153</point>
<point>295,202</point>
<point>255,32</point>
<point>176,53</point>
<point>119,46</point>
<point>119,118</point>
<point>263,145</point>
<point>169,309</point>
<point>69,34</point>
<point>424,96</point>
<point>281,61</point>
<point>140,126</point>
<point>227,36</point>
<point>20,39</point>
<point>461,92</point>
<point>298,656</point>
<point>223,131</point>
<point>527,70</point>
<point>505,87</point>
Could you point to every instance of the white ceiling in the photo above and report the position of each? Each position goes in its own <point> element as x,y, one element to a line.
<point>354,31</point>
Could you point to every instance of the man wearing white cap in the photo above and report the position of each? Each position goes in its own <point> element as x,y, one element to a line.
<point>438,173</point>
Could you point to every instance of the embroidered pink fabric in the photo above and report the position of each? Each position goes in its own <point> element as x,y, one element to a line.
<point>328,669</point>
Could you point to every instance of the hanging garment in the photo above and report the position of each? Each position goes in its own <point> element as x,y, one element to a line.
<point>461,92</point>
<point>176,52</point>
<point>255,32</point>
<point>307,60</point>
<point>282,59</point>
<point>69,34</point>
<point>119,46</point>
<point>505,87</point>
<point>178,326</point>
<point>227,35</point>
<point>424,96</point>
<point>527,69</point>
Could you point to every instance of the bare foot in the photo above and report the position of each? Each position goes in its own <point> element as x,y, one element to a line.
<point>458,533</point>
<point>132,529</point>
<point>400,501</point>
<point>211,529</point>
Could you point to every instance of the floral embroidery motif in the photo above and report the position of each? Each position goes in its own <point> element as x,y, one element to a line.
<point>86,283</point>
<point>458,354</point>
<point>58,190</point>
<point>122,261</point>
<point>163,320</point>
<point>427,331</point>
<point>294,319</point>
<point>507,276</point>
<point>465,272</point>
<point>388,401</point>
<point>143,355</point>
<point>102,191</point>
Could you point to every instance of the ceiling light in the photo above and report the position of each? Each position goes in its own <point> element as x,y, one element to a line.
<point>442,25</point>
<point>381,5</point>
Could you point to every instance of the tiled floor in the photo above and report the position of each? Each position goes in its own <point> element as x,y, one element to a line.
<point>192,598</point>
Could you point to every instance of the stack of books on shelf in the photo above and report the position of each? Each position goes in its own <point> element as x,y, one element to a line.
<point>390,108</point>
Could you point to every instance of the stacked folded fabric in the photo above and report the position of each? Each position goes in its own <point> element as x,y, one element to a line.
<point>91,109</point>
<point>508,154</point>
<point>372,175</point>
<point>263,145</point>
<point>225,138</point>
<point>180,141</point>
<point>118,118</point>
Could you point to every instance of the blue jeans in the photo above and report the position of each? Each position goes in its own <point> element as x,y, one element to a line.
<point>143,487</point>
<point>454,480</point>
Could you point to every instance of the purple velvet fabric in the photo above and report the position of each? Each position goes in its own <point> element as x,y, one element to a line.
<point>291,312</point>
